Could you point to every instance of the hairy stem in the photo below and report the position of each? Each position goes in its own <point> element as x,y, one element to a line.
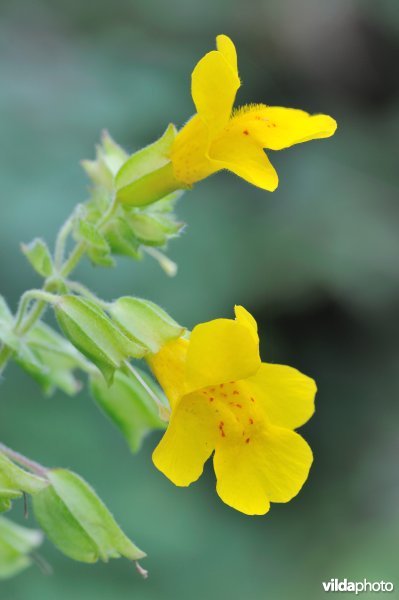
<point>24,322</point>
<point>33,466</point>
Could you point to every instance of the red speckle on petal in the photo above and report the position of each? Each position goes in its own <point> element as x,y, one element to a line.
<point>246,132</point>
<point>247,440</point>
<point>251,421</point>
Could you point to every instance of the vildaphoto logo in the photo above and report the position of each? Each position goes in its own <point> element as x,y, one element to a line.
<point>357,587</point>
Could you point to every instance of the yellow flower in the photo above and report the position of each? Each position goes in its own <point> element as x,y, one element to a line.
<point>219,138</point>
<point>225,400</point>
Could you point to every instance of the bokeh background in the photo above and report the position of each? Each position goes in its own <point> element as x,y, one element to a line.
<point>316,262</point>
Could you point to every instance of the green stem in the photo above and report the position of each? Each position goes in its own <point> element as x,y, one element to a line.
<point>42,296</point>
<point>23,325</point>
<point>81,247</point>
<point>71,263</point>
<point>62,237</point>
<point>33,466</point>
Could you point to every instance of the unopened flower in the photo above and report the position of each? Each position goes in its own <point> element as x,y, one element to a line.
<point>218,137</point>
<point>225,400</point>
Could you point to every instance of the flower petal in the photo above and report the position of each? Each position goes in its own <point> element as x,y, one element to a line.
<point>275,127</point>
<point>272,467</point>
<point>189,154</point>
<point>188,442</point>
<point>245,318</point>
<point>226,47</point>
<point>238,153</point>
<point>219,351</point>
<point>168,366</point>
<point>214,85</point>
<point>287,395</point>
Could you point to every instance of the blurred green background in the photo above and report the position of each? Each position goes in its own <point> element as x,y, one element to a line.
<point>316,262</point>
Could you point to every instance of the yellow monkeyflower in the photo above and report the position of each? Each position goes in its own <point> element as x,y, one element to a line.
<point>219,138</point>
<point>225,400</point>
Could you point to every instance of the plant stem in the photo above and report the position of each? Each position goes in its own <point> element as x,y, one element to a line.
<point>33,466</point>
<point>80,248</point>
<point>23,325</point>
<point>62,237</point>
<point>42,295</point>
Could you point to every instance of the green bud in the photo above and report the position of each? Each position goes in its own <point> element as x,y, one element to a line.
<point>145,321</point>
<point>98,249</point>
<point>16,544</point>
<point>147,176</point>
<point>152,229</point>
<point>121,239</point>
<point>109,159</point>
<point>89,329</point>
<point>78,523</point>
<point>39,256</point>
<point>130,405</point>
<point>88,232</point>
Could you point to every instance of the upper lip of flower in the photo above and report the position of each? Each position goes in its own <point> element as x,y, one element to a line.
<point>234,140</point>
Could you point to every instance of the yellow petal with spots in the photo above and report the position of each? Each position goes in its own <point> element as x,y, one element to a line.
<point>219,351</point>
<point>214,85</point>
<point>188,442</point>
<point>287,395</point>
<point>226,47</point>
<point>238,153</point>
<point>275,128</point>
<point>168,365</point>
<point>271,468</point>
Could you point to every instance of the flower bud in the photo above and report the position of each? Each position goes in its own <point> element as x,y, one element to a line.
<point>78,523</point>
<point>145,321</point>
<point>89,329</point>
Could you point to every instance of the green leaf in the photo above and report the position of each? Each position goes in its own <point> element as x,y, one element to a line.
<point>39,256</point>
<point>90,330</point>
<point>6,497</point>
<point>16,544</point>
<point>130,405</point>
<point>145,321</point>
<point>58,357</point>
<point>24,355</point>
<point>14,481</point>
<point>78,523</point>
